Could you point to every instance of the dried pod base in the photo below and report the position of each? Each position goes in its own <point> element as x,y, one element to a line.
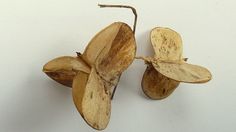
<point>157,86</point>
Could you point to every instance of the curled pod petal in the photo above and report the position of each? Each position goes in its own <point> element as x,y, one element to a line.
<point>183,72</point>
<point>117,55</point>
<point>167,44</point>
<point>99,42</point>
<point>168,51</point>
<point>63,69</point>
<point>92,99</point>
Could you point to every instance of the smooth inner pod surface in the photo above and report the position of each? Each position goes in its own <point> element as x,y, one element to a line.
<point>111,51</point>
<point>117,55</point>
<point>99,42</point>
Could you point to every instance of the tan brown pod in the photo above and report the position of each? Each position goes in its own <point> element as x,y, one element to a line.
<point>156,85</point>
<point>92,92</point>
<point>93,73</point>
<point>92,99</point>
<point>168,68</point>
<point>63,69</point>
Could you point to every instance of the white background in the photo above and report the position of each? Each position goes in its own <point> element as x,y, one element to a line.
<point>33,32</point>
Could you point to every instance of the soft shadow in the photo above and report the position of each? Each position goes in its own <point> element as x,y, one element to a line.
<point>144,49</point>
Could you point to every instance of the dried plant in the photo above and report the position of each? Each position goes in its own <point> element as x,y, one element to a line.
<point>93,74</point>
<point>167,68</point>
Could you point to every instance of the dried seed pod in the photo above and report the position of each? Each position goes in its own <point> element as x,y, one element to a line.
<point>92,99</point>
<point>183,72</point>
<point>92,95</point>
<point>63,69</point>
<point>118,54</point>
<point>167,68</point>
<point>93,73</point>
<point>167,44</point>
<point>98,43</point>
<point>107,47</point>
<point>156,85</point>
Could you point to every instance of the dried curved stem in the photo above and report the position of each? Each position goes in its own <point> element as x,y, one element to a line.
<point>114,90</point>
<point>124,6</point>
<point>78,54</point>
<point>153,60</point>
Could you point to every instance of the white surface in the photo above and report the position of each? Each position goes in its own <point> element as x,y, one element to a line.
<point>34,32</point>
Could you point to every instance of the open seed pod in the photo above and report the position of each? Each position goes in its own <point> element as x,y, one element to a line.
<point>93,74</point>
<point>167,68</point>
<point>92,92</point>
<point>96,71</point>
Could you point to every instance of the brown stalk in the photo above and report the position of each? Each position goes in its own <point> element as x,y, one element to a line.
<point>124,6</point>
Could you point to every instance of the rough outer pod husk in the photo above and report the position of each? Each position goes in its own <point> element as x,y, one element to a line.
<point>63,69</point>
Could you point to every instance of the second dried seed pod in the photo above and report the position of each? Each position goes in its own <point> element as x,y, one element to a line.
<point>168,68</point>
